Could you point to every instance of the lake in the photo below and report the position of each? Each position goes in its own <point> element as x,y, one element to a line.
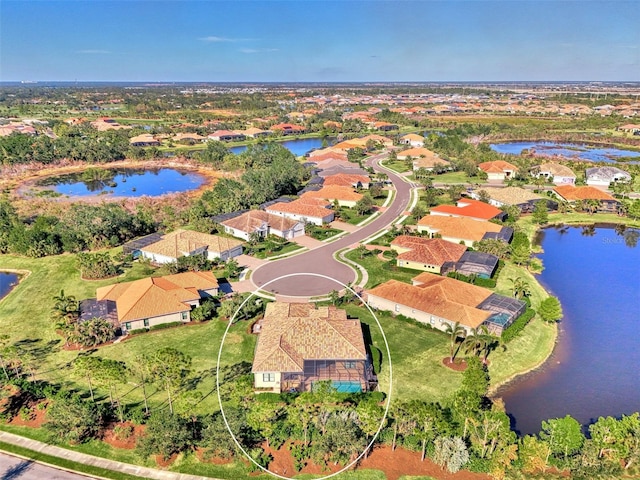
<point>594,369</point>
<point>124,182</point>
<point>298,147</point>
<point>570,150</point>
<point>8,280</point>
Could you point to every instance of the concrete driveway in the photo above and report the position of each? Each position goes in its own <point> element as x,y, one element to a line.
<point>316,272</point>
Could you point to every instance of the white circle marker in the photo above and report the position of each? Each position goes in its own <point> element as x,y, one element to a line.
<point>387,404</point>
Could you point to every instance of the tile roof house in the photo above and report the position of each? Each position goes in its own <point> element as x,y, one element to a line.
<point>319,156</point>
<point>189,138</point>
<point>441,301</point>
<point>572,194</point>
<point>188,243</point>
<point>263,223</point>
<point>498,170</point>
<point>144,140</point>
<point>253,132</point>
<point>520,197</point>
<point>226,136</point>
<point>345,196</point>
<point>306,210</point>
<point>288,129</point>
<point>300,344</point>
<point>469,208</point>
<point>347,180</point>
<point>428,254</point>
<point>462,230</point>
<point>557,173</point>
<point>605,176</point>
<point>152,301</point>
<point>412,139</point>
<point>422,158</point>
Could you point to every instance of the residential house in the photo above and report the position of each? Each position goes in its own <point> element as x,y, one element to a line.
<point>189,138</point>
<point>412,139</point>
<point>462,229</point>
<point>345,196</point>
<point>305,210</point>
<point>499,170</point>
<point>469,208</point>
<point>630,128</point>
<point>383,126</point>
<point>300,344</point>
<point>288,129</point>
<point>586,194</point>
<point>428,254</point>
<point>324,154</point>
<point>262,223</point>
<point>557,173</point>
<point>185,243</point>
<point>144,140</point>
<point>422,158</point>
<point>152,301</point>
<point>603,177</point>
<point>17,127</point>
<point>334,167</point>
<point>253,132</point>
<point>522,198</point>
<point>103,124</point>
<point>347,180</point>
<point>226,136</point>
<point>440,301</point>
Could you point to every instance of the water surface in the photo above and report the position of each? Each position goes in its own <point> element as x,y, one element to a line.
<point>126,183</point>
<point>594,370</point>
<point>8,280</point>
<point>569,150</point>
<point>298,147</point>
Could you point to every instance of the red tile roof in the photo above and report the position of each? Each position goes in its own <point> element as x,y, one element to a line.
<point>571,193</point>
<point>468,207</point>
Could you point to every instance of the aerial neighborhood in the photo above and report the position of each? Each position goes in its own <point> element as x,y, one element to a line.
<point>324,270</point>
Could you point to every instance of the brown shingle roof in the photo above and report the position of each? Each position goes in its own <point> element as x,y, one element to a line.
<point>334,192</point>
<point>254,219</point>
<point>346,180</point>
<point>459,227</point>
<point>497,166</point>
<point>309,207</point>
<point>292,333</point>
<point>556,169</point>
<point>445,297</point>
<point>511,195</point>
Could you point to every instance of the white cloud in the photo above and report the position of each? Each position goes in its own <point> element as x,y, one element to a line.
<point>257,50</point>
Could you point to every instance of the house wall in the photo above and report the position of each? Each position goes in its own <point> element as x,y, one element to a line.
<point>302,218</point>
<point>172,317</point>
<point>423,317</point>
<point>560,180</point>
<point>227,254</point>
<point>425,267</point>
<point>496,176</point>
<point>258,381</point>
<point>157,258</point>
<point>296,231</point>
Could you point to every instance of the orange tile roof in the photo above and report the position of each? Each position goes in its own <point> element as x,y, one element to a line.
<point>292,333</point>
<point>334,192</point>
<point>431,251</point>
<point>459,227</point>
<point>346,180</point>
<point>571,193</point>
<point>153,297</point>
<point>307,207</point>
<point>413,136</point>
<point>468,207</point>
<point>445,297</point>
<point>497,166</point>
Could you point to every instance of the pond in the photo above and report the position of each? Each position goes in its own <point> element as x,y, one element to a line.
<point>124,182</point>
<point>8,280</point>
<point>594,369</point>
<point>569,150</point>
<point>298,147</point>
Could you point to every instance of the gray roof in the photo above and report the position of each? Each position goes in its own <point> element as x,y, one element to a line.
<point>506,309</point>
<point>105,309</point>
<point>477,263</point>
<point>607,174</point>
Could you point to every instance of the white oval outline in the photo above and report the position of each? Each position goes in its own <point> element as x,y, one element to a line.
<point>386,343</point>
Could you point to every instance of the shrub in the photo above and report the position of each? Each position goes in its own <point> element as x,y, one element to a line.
<point>513,330</point>
<point>162,326</point>
<point>138,331</point>
<point>123,432</point>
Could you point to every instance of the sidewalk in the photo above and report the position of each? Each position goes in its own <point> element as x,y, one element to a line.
<point>143,472</point>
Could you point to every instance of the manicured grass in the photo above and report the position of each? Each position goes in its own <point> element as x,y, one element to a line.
<point>397,166</point>
<point>453,177</point>
<point>288,247</point>
<point>350,216</point>
<point>324,233</point>
<point>381,271</point>
<point>529,227</point>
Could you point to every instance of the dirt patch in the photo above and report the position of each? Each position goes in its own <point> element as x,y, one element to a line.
<point>164,463</point>
<point>32,415</point>
<point>400,462</point>
<point>458,365</point>
<point>122,435</point>
<point>200,454</point>
<point>283,463</point>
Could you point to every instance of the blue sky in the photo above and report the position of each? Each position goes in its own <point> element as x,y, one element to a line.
<point>303,40</point>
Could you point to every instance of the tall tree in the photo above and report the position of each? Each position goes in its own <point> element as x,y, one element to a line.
<point>169,369</point>
<point>455,333</point>
<point>550,309</point>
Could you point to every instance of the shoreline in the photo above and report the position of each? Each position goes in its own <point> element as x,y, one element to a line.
<point>22,275</point>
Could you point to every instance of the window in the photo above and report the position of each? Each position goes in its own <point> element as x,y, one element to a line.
<point>268,377</point>
<point>185,315</point>
<point>127,326</point>
<point>146,322</point>
<point>350,364</point>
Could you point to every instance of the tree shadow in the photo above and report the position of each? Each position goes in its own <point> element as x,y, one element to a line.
<point>17,471</point>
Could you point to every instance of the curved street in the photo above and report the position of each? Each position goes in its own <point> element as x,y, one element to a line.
<point>320,261</point>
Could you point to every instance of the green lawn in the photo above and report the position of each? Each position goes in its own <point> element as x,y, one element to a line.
<point>453,177</point>
<point>320,233</point>
<point>260,250</point>
<point>397,166</point>
<point>381,271</point>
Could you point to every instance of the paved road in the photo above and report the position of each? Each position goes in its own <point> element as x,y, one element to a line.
<point>13,468</point>
<point>320,261</point>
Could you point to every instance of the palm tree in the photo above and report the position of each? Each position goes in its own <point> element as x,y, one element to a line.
<point>475,341</point>
<point>455,332</point>
<point>65,312</point>
<point>520,287</point>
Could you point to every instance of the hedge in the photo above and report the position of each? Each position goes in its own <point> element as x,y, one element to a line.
<point>513,330</point>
